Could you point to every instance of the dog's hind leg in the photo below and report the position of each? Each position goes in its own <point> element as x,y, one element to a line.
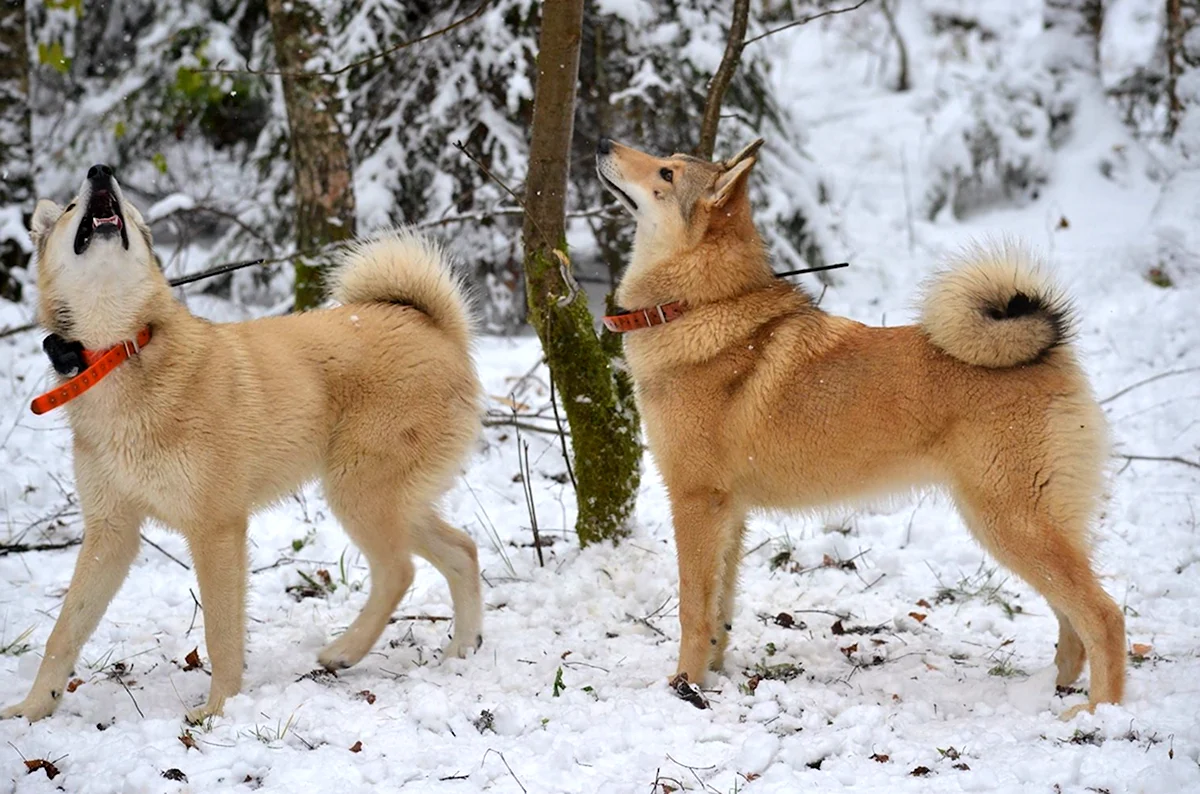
<point>728,598</point>
<point>453,553</point>
<point>703,522</point>
<point>1054,559</point>
<point>1070,654</point>
<point>110,544</point>
<point>219,552</point>
<point>370,509</point>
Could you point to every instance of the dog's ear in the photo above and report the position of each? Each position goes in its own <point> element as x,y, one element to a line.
<point>45,215</point>
<point>732,182</point>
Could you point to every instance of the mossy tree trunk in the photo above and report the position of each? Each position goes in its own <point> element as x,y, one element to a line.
<point>324,179</point>
<point>596,396</point>
<point>16,149</point>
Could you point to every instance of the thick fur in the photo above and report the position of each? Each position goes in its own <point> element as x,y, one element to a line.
<point>757,399</point>
<point>378,398</point>
<point>994,307</point>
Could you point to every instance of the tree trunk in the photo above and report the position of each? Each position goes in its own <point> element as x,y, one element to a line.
<point>597,401</point>
<point>1183,56</point>
<point>1073,34</point>
<point>721,80</point>
<point>324,180</point>
<point>16,148</point>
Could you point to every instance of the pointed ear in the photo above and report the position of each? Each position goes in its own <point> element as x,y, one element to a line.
<point>732,182</point>
<point>45,215</point>
<point>746,153</point>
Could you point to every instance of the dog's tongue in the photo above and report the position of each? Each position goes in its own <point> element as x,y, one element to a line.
<point>112,220</point>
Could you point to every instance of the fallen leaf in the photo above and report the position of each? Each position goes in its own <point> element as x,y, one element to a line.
<point>751,776</point>
<point>837,628</point>
<point>923,603</point>
<point>920,771</point>
<point>192,661</point>
<point>963,767</point>
<point>785,620</point>
<point>1140,649</point>
<point>850,650</point>
<point>356,747</point>
<point>50,769</point>
<point>368,696</point>
<point>1063,223</point>
<point>187,740</point>
<point>175,774</point>
<point>880,758</point>
<point>74,684</point>
<point>917,616</point>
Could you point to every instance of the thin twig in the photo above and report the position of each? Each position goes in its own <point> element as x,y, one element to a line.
<point>1163,459</point>
<point>527,487</point>
<point>372,57</point>
<point>549,243</point>
<point>1151,379</point>
<point>167,554</point>
<point>805,20</point>
<point>20,548</point>
<point>121,681</point>
<point>562,435</point>
<point>506,766</point>
<point>17,329</point>
<point>490,421</point>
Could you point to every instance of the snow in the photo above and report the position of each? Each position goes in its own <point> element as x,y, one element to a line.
<point>970,684</point>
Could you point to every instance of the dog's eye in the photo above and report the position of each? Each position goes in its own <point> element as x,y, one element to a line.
<point>667,174</point>
<point>70,207</point>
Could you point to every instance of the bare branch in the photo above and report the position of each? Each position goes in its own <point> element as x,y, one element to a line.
<point>720,81</point>
<point>805,21</point>
<point>1163,459</point>
<point>372,57</point>
<point>1151,379</point>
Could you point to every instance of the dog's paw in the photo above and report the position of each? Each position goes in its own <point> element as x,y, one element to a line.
<point>1075,711</point>
<point>687,691</point>
<point>205,713</point>
<point>461,648</point>
<point>32,708</point>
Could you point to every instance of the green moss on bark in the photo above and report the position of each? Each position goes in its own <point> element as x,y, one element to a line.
<point>597,399</point>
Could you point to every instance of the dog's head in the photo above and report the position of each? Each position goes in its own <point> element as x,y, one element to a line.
<point>676,200</point>
<point>95,260</point>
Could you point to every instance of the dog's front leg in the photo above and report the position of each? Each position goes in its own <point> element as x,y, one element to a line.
<point>219,552</point>
<point>110,544</point>
<point>703,522</point>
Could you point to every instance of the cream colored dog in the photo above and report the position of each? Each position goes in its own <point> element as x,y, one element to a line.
<point>755,398</point>
<point>209,422</point>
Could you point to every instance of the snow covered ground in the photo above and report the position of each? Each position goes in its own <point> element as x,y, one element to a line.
<point>568,693</point>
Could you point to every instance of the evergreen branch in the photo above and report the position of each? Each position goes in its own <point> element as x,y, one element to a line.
<point>478,12</point>
<point>805,21</point>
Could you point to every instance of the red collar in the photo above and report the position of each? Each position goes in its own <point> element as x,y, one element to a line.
<point>100,363</point>
<point>644,318</point>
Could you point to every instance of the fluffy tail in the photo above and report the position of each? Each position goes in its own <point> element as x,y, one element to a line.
<point>406,268</point>
<point>995,308</point>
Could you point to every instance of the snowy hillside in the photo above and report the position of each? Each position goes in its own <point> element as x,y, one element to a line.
<point>906,661</point>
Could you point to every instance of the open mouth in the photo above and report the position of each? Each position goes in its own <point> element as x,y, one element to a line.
<point>621,195</point>
<point>102,217</point>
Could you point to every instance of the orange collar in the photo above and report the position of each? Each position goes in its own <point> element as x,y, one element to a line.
<point>100,363</point>
<point>644,318</point>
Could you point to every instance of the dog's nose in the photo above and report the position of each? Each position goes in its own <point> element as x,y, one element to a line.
<point>99,173</point>
<point>604,146</point>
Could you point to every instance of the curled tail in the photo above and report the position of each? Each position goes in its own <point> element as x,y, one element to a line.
<point>406,268</point>
<point>995,308</point>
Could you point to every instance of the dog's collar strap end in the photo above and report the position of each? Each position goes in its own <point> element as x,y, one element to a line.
<point>100,363</point>
<point>644,318</point>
